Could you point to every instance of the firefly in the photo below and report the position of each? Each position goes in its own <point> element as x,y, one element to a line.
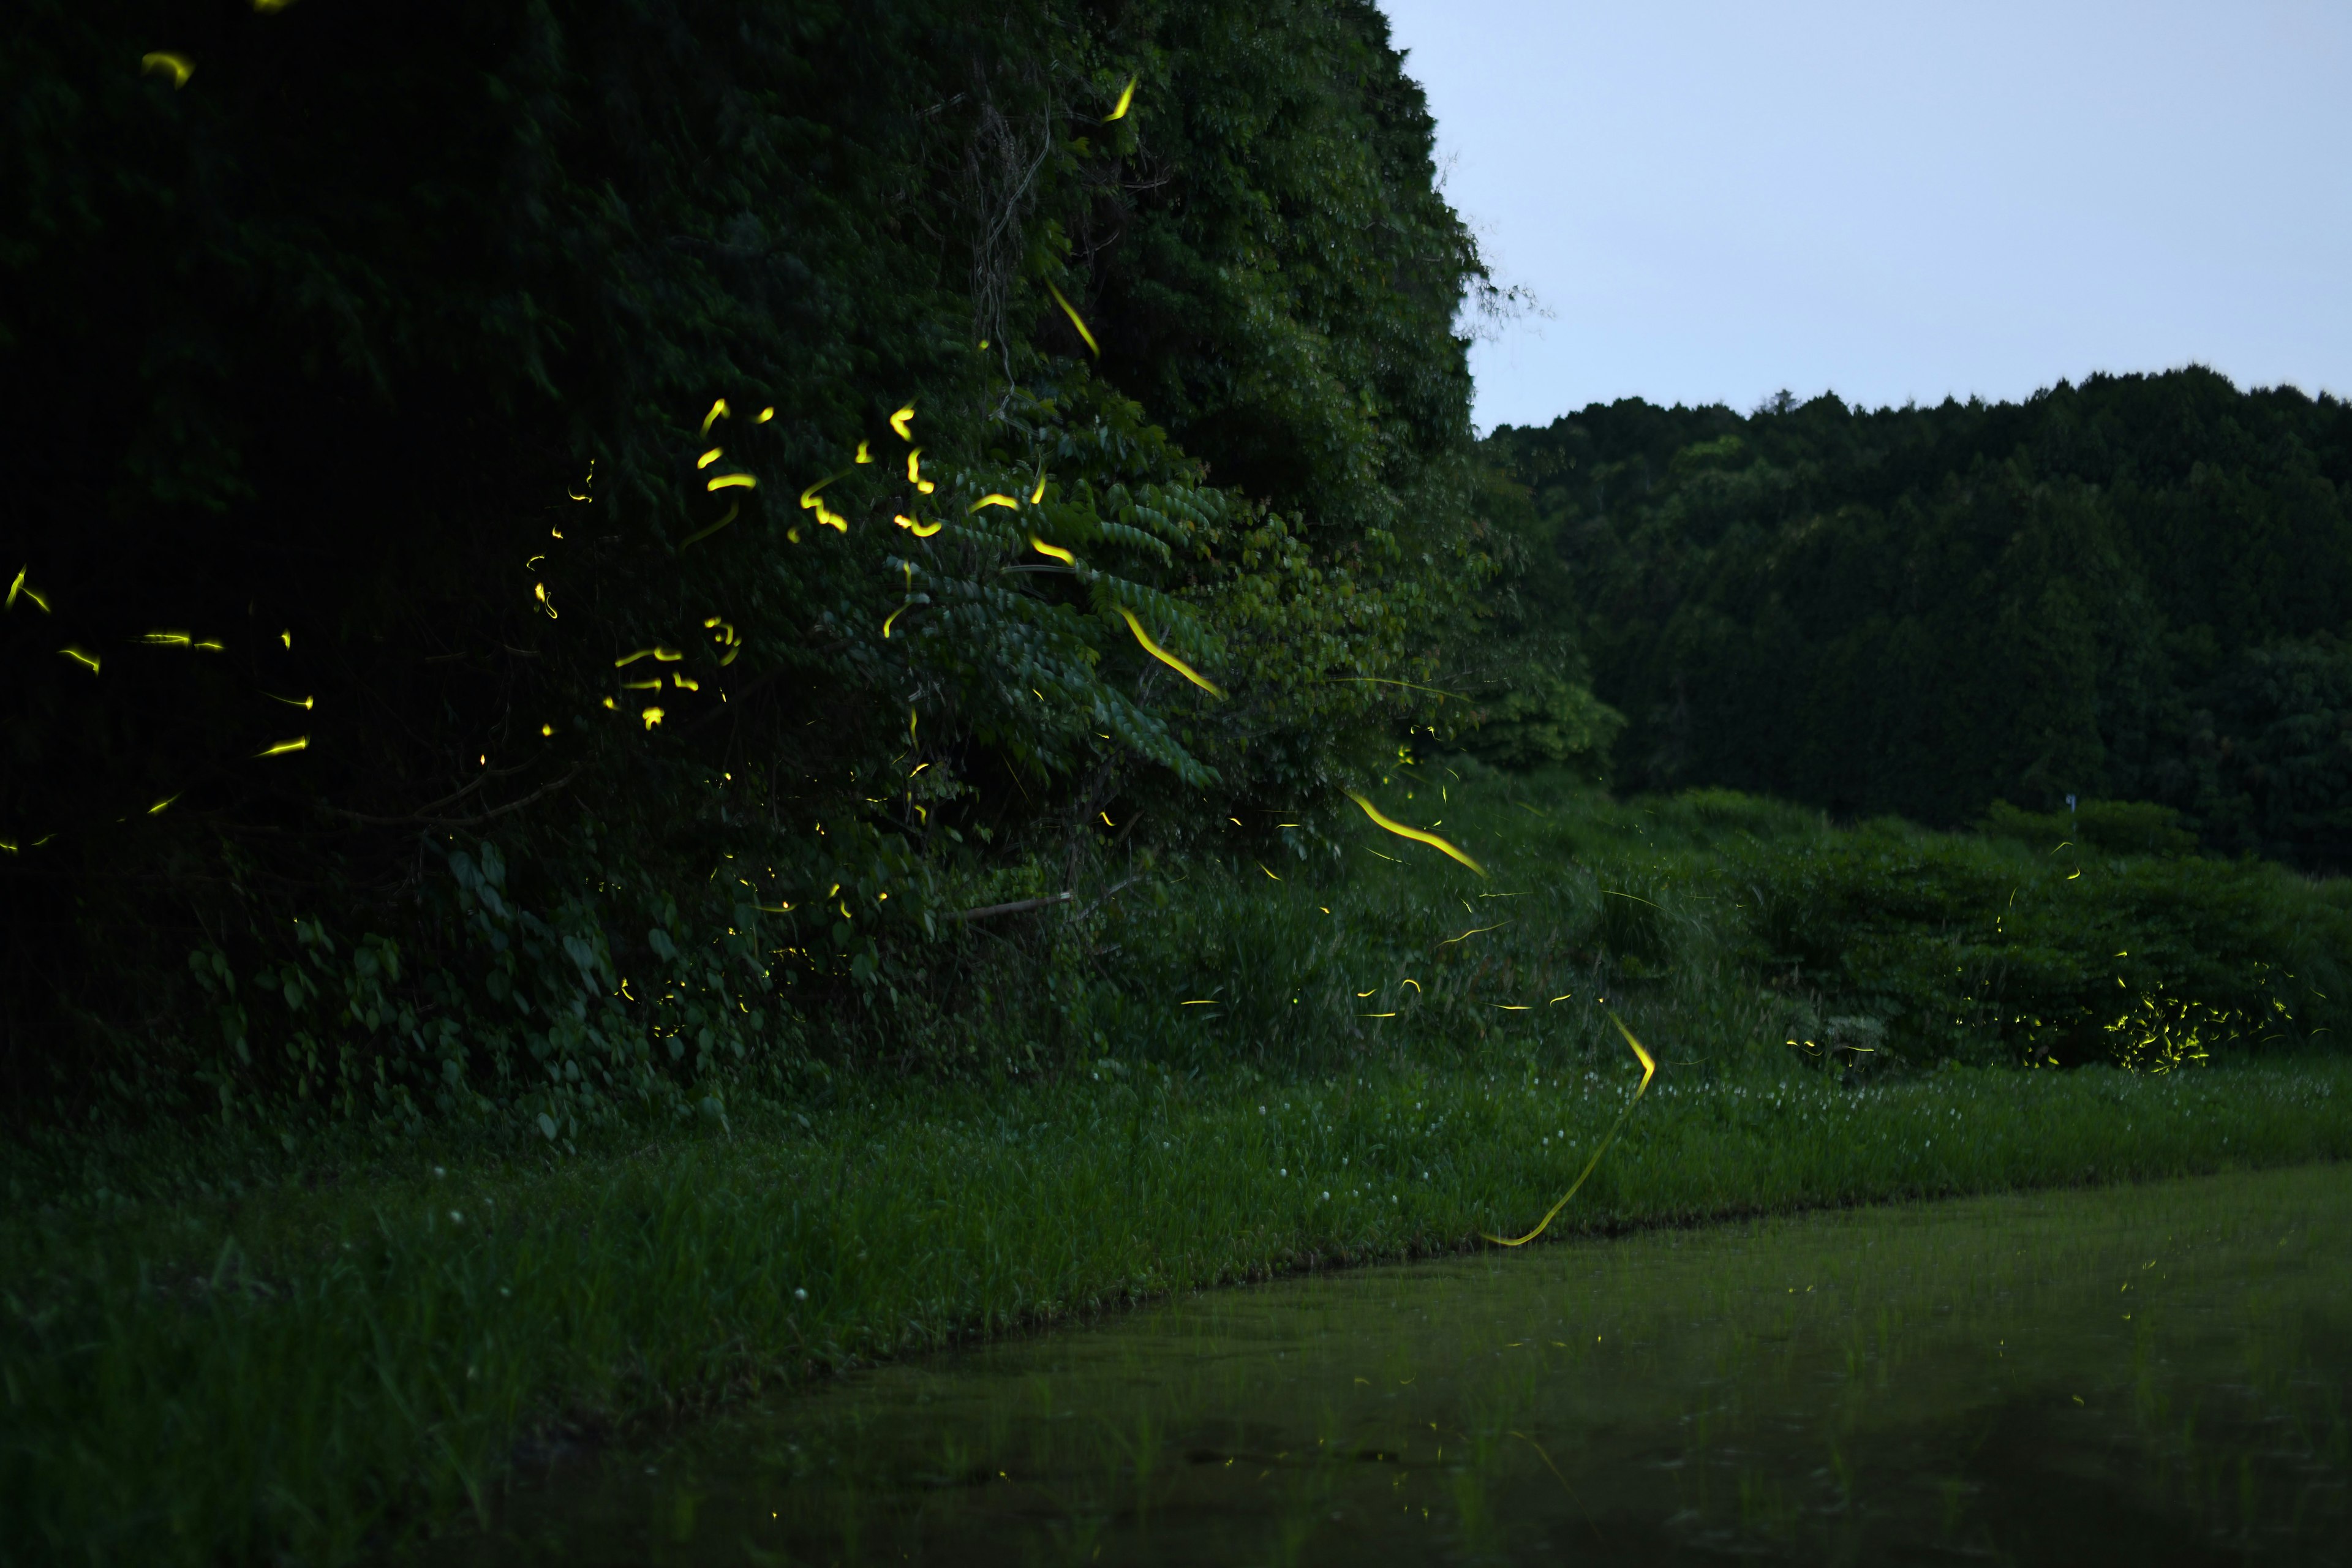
<point>299,743</point>
<point>719,411</point>
<point>1126,97</point>
<point>901,420</point>
<point>1055,551</point>
<point>177,67</point>
<point>914,473</point>
<point>80,656</point>
<point>708,457</point>
<point>1164,657</point>
<point>1076,319</point>
<point>732,481</point>
<point>1402,831</point>
<point>652,716</point>
<point>17,587</point>
<point>996,498</point>
<point>1649,1066</point>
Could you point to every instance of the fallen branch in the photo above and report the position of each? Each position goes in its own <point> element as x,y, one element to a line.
<point>1018,906</point>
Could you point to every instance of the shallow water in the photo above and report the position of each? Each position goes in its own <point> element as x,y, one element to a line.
<point>2157,1374</point>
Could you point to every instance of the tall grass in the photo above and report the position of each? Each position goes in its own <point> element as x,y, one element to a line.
<point>218,1350</point>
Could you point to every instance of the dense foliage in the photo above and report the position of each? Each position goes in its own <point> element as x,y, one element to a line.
<point>2139,588</point>
<point>482,398</point>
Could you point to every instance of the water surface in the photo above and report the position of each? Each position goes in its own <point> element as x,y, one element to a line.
<point>2152,1374</point>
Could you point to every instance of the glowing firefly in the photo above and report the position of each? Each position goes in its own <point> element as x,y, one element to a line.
<point>299,743</point>
<point>915,474</point>
<point>303,703</point>
<point>1402,831</point>
<point>177,67</point>
<point>1076,319</point>
<point>995,499</point>
<point>678,678</point>
<point>901,420</point>
<point>699,535</point>
<point>1164,657</point>
<point>732,481</point>
<point>652,716</point>
<point>161,804</point>
<point>653,685</point>
<point>80,657</point>
<point>708,457</point>
<point>863,455</point>
<point>1055,551</point>
<point>547,728</point>
<point>893,617</point>
<point>1039,493</point>
<point>657,653</point>
<point>719,411</point>
<point>1126,97</point>
<point>17,587</point>
<point>1648,1067</point>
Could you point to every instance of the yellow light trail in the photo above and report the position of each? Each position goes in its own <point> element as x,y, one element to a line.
<point>732,481</point>
<point>719,411</point>
<point>657,653</point>
<point>1076,319</point>
<point>80,656</point>
<point>161,63</point>
<point>919,530</point>
<point>1055,551</point>
<point>864,456</point>
<point>700,534</point>
<point>17,587</point>
<point>1649,1066</point>
<point>652,716</point>
<point>1039,493</point>
<point>304,704</point>
<point>996,498</point>
<point>299,743</point>
<point>161,804</point>
<point>1402,831</point>
<point>1126,97</point>
<point>1164,657</point>
<point>901,420</point>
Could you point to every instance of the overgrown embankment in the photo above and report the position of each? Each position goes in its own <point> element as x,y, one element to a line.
<point>219,1346</point>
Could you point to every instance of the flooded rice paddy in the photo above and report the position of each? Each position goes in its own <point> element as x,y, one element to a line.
<point>2156,1375</point>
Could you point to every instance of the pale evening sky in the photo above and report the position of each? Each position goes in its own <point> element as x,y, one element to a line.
<point>1895,201</point>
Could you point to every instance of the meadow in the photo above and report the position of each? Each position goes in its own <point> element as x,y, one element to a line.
<point>231,1344</point>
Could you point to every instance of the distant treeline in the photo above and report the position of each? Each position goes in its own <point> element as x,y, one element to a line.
<point>2138,588</point>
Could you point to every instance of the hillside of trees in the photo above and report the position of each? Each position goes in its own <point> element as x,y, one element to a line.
<point>507,503</point>
<point>2135,589</point>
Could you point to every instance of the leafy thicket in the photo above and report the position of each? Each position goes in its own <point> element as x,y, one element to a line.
<point>368,384</point>
<point>2138,588</point>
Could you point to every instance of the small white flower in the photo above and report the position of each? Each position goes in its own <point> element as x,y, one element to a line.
<point>800,1295</point>
<point>1326,1193</point>
<point>456,1218</point>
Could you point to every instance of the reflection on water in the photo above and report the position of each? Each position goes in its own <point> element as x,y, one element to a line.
<point>2148,1374</point>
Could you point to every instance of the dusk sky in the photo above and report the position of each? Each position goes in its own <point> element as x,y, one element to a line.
<point>1895,202</point>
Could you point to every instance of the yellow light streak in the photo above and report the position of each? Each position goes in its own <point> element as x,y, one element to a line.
<point>1262,868</point>
<point>610,703</point>
<point>538,592</point>
<point>764,416</point>
<point>901,420</point>
<point>1198,1002</point>
<point>678,678</point>
<point>864,456</point>
<point>1479,930</point>
<point>653,685</point>
<point>1164,657</point>
<point>1408,980</point>
<point>1055,551</point>
<point>161,804</point>
<point>1402,831</point>
<point>167,640</point>
<point>547,728</point>
<point>657,653</point>
<point>732,481</point>
<point>17,587</point>
<point>1038,494</point>
<point>161,63</point>
<point>299,743</point>
<point>1508,1007</point>
<point>919,530</point>
<point>288,638</point>
<point>996,498</point>
<point>1076,319</point>
<point>886,631</point>
<point>1649,1066</point>
<point>1376,1014</point>
<point>652,716</point>
<point>1126,97</point>
<point>700,534</point>
<point>80,656</point>
<point>719,411</point>
<point>304,704</point>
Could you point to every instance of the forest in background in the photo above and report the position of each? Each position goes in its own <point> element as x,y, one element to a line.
<point>2137,589</point>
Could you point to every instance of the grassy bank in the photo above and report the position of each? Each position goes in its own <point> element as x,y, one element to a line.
<point>352,1354</point>
<point>1324,1044</point>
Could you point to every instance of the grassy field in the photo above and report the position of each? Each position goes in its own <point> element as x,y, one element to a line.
<point>224,1347</point>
